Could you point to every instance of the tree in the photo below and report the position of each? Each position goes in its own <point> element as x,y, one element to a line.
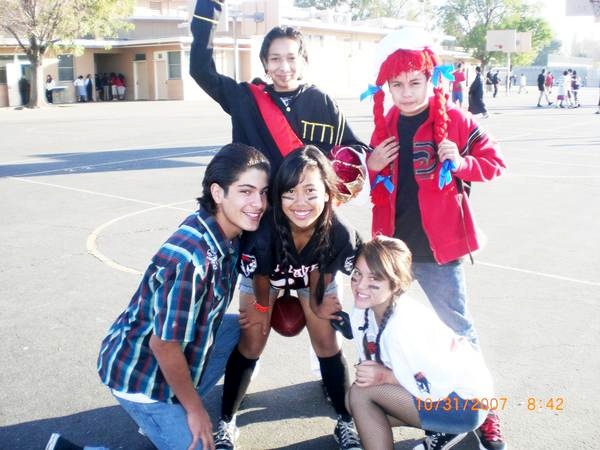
<point>542,57</point>
<point>586,49</point>
<point>469,21</point>
<point>524,19</point>
<point>368,9</point>
<point>38,25</point>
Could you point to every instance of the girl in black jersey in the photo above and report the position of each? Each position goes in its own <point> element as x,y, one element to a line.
<point>300,245</point>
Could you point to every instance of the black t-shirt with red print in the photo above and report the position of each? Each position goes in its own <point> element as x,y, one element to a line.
<point>261,254</point>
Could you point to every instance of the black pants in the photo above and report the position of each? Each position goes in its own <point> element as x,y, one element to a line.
<point>49,95</point>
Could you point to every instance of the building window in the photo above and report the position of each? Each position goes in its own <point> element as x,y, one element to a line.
<point>174,65</point>
<point>156,6</point>
<point>140,57</point>
<point>4,59</point>
<point>65,68</point>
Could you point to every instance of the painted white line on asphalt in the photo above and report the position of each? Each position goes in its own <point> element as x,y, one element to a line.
<point>105,259</point>
<point>92,238</point>
<point>92,246</point>
<point>36,160</point>
<point>164,146</point>
<point>540,274</point>
<point>86,191</point>
<point>525,175</point>
<point>556,163</point>
<point>536,132</point>
<point>89,166</point>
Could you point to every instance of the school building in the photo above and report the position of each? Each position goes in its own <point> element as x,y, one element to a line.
<point>154,55</point>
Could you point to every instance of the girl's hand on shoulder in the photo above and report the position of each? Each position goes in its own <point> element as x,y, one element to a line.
<point>383,155</point>
<point>447,150</point>
<point>371,373</point>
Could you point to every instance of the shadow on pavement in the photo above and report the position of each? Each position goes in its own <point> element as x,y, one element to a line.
<point>108,161</point>
<point>111,426</point>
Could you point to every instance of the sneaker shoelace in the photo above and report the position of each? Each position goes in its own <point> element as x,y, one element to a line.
<point>491,428</point>
<point>348,436</point>
<point>224,434</point>
<point>433,438</point>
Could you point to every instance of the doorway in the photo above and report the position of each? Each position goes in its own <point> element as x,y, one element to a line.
<point>160,76</point>
<point>14,73</point>
<point>140,80</point>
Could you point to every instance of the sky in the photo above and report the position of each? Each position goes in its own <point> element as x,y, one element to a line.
<point>567,28</point>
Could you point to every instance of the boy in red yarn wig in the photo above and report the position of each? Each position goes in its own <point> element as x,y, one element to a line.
<point>426,154</point>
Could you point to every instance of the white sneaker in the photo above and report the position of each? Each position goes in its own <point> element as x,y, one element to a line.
<point>226,435</point>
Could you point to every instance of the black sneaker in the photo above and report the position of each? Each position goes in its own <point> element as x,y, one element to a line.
<point>345,435</point>
<point>490,437</point>
<point>226,435</point>
<point>440,441</point>
<point>57,442</point>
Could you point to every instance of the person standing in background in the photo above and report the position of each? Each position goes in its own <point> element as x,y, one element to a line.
<point>49,88</point>
<point>575,85</point>
<point>522,83</point>
<point>476,104</point>
<point>98,83</point>
<point>549,83</point>
<point>24,88</point>
<point>495,82</point>
<point>80,92</point>
<point>89,88</point>
<point>458,85</point>
<point>105,87</point>
<point>541,83</point>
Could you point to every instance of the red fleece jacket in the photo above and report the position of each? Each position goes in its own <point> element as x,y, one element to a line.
<point>445,214</point>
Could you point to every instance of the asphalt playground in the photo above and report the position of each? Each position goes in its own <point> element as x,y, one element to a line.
<point>89,192</point>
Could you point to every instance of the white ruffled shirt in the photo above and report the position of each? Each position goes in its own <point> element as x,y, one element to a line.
<point>427,357</point>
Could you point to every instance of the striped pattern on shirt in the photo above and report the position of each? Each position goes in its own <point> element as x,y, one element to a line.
<point>182,297</point>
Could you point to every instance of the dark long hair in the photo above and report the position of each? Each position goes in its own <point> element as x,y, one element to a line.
<point>287,177</point>
<point>226,167</point>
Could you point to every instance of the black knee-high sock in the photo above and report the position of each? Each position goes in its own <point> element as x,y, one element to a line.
<point>237,379</point>
<point>335,378</point>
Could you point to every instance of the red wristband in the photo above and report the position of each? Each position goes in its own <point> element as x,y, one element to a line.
<point>260,308</point>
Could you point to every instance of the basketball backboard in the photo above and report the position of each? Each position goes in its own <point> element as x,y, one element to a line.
<point>579,8</point>
<point>523,43</point>
<point>501,41</point>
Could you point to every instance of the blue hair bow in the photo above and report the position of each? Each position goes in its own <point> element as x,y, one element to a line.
<point>444,71</point>
<point>387,182</point>
<point>371,90</point>
<point>445,177</point>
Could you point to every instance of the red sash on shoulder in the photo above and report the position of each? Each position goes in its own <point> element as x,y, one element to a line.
<point>285,138</point>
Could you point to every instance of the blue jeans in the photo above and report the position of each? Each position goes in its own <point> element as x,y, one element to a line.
<point>446,289</point>
<point>462,416</point>
<point>165,424</point>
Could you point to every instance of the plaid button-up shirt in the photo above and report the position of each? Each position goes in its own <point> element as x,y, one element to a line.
<point>182,298</point>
